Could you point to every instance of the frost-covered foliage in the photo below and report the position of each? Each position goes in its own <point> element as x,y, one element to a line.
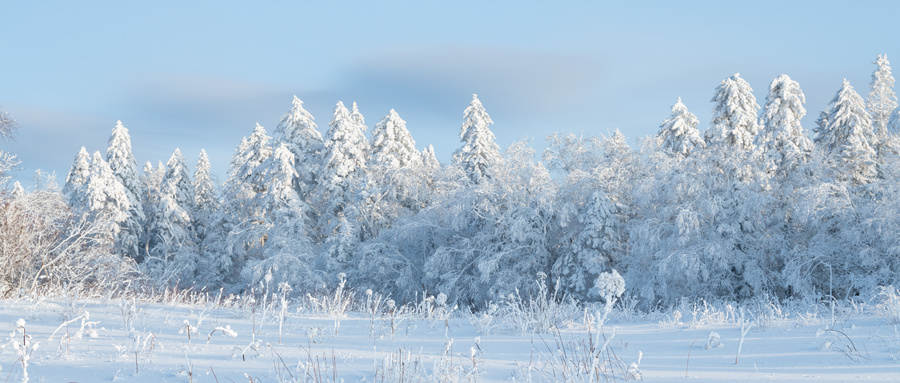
<point>206,199</point>
<point>847,136</point>
<point>784,141</point>
<point>679,132</point>
<point>741,216</point>
<point>297,129</point>
<point>124,167</point>
<point>76,178</point>
<point>479,153</point>
<point>734,121</point>
<point>343,172</point>
<point>47,246</point>
<point>172,244</point>
<point>882,100</point>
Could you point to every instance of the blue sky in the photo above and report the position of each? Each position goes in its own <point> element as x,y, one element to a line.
<point>200,74</point>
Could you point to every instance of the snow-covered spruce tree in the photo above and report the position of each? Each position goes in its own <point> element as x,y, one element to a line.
<point>593,248</point>
<point>233,234</point>
<point>479,153</point>
<point>392,145</point>
<point>206,200</point>
<point>343,171</point>
<point>847,135</point>
<point>882,101</point>
<point>785,143</point>
<point>75,180</point>
<point>173,252</point>
<point>286,250</point>
<point>105,197</point>
<point>124,167</point>
<point>678,133</point>
<point>429,159</point>
<point>397,167</point>
<point>297,129</point>
<point>734,121</point>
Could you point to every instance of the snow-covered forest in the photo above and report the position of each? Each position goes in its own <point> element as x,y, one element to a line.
<point>754,205</point>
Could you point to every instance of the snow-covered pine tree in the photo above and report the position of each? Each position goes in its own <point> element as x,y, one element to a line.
<point>734,122</point>
<point>397,165</point>
<point>593,247</point>
<point>287,251</point>
<point>678,133</point>
<point>124,167</point>
<point>783,139</point>
<point>173,245</point>
<point>882,101</point>
<point>429,159</point>
<point>392,145</point>
<point>847,136</point>
<point>105,196</point>
<point>479,153</point>
<point>343,169</point>
<point>206,201</point>
<point>297,129</point>
<point>75,180</point>
<point>243,183</point>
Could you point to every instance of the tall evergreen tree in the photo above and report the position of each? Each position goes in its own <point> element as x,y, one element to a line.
<point>734,121</point>
<point>429,159</point>
<point>206,200</point>
<point>786,144</point>
<point>847,135</point>
<point>392,145</point>
<point>124,167</point>
<point>343,169</point>
<point>75,180</point>
<point>173,244</point>
<point>678,133</point>
<point>479,153</point>
<point>243,182</point>
<point>882,101</point>
<point>593,248</point>
<point>105,196</point>
<point>297,129</point>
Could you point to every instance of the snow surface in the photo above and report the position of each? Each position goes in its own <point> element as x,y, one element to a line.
<point>231,344</point>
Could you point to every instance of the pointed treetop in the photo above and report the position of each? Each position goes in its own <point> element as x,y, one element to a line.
<point>734,120</point>
<point>679,132</point>
<point>882,100</point>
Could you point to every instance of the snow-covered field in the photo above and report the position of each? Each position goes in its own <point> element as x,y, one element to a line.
<point>293,341</point>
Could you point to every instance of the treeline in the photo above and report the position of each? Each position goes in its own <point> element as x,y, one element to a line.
<point>750,207</point>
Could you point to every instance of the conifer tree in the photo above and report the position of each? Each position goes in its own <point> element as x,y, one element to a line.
<point>479,153</point>
<point>847,135</point>
<point>882,101</point>
<point>243,182</point>
<point>593,248</point>
<point>392,145</point>
<point>105,196</point>
<point>205,199</point>
<point>173,245</point>
<point>678,133</point>
<point>429,159</point>
<point>343,169</point>
<point>124,167</point>
<point>786,144</point>
<point>734,122</point>
<point>75,180</point>
<point>297,129</point>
